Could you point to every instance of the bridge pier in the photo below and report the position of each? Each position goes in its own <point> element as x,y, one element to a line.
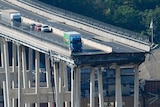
<point>66,103</point>
<point>118,94</point>
<point>18,87</point>
<point>37,78</point>
<point>14,49</point>
<point>19,54</point>
<point>136,86</point>
<point>92,87</point>
<point>48,76</point>
<point>28,92</point>
<point>78,87</point>
<point>73,87</point>
<point>30,65</point>
<point>56,80</point>
<point>7,73</point>
<point>100,88</point>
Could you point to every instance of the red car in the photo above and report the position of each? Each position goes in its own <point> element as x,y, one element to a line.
<point>37,27</point>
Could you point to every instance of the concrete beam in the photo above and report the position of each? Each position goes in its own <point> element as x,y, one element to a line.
<point>42,91</point>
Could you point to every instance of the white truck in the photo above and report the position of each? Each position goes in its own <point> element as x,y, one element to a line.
<point>11,16</point>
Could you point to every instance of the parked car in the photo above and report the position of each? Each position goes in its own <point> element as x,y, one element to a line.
<point>37,27</point>
<point>46,28</point>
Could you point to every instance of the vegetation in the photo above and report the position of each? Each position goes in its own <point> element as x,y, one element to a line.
<point>134,15</point>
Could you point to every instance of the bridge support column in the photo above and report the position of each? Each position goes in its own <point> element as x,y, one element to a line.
<point>100,88</point>
<point>65,72</point>
<point>37,78</point>
<point>25,79</point>
<point>25,85</point>
<point>48,76</point>
<point>78,87</point>
<point>19,52</point>
<point>56,80</point>
<point>14,103</point>
<point>92,88</point>
<point>73,87</point>
<point>118,100</point>
<point>7,73</point>
<point>5,94</point>
<point>136,86</point>
<point>30,64</point>
<point>2,51</point>
<point>61,82</point>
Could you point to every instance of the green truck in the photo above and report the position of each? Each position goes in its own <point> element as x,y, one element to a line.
<point>73,41</point>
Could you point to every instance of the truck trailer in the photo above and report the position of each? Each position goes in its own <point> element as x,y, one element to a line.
<point>11,16</point>
<point>73,41</point>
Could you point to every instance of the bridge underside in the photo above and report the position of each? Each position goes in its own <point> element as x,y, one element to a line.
<point>109,59</point>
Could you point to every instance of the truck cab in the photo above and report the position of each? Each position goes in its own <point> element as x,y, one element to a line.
<point>76,44</point>
<point>11,16</point>
<point>73,41</point>
<point>16,17</point>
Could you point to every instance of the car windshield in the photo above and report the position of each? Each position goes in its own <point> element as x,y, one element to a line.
<point>32,24</point>
<point>45,26</point>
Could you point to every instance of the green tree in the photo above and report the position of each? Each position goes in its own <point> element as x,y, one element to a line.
<point>127,17</point>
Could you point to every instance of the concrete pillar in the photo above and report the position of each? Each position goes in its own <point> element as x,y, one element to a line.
<point>73,87</point>
<point>56,80</point>
<point>7,73</point>
<point>25,79</point>
<point>136,86</point>
<point>78,87</point>
<point>65,82</point>
<point>37,77</point>
<point>19,54</point>
<point>2,56</point>
<point>61,82</point>
<point>48,71</point>
<point>118,98</point>
<point>14,103</point>
<point>92,88</point>
<point>65,72</point>
<point>25,85</point>
<point>100,88</point>
<point>30,59</point>
<point>48,76</point>
<point>5,94</point>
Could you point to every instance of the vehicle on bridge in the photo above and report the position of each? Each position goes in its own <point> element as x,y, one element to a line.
<point>38,27</point>
<point>73,41</point>
<point>11,16</point>
<point>46,28</point>
<point>32,25</point>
